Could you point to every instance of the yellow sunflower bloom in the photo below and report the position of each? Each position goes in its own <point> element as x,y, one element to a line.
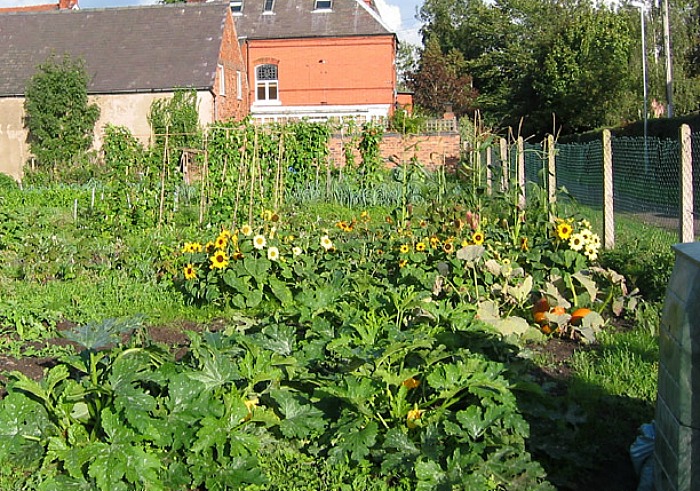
<point>190,272</point>
<point>448,247</point>
<point>404,249</point>
<point>221,242</point>
<point>564,230</point>
<point>403,263</point>
<point>420,246</point>
<point>210,247</point>
<point>219,260</point>
<point>478,237</point>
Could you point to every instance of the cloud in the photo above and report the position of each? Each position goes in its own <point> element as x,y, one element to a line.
<point>394,17</point>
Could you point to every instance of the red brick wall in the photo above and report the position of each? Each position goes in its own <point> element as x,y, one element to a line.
<point>333,71</point>
<point>230,105</point>
<point>431,150</point>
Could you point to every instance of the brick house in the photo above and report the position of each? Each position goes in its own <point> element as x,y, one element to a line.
<point>317,59</point>
<point>133,56</point>
<point>41,6</point>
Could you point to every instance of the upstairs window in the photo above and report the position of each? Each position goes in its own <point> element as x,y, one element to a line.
<point>323,4</point>
<point>268,6</point>
<point>266,83</point>
<point>236,6</point>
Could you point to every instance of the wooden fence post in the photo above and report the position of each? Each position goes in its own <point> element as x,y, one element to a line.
<point>687,225</point>
<point>505,177</point>
<point>608,204</point>
<point>551,174</point>
<point>521,172</point>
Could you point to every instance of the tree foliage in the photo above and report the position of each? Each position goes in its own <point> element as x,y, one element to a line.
<point>59,117</point>
<point>441,80</point>
<point>577,60</point>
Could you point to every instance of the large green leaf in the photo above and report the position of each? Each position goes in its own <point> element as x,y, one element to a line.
<point>301,420</point>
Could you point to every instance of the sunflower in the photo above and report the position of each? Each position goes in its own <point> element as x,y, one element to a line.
<point>564,230</point>
<point>219,260</point>
<point>523,244</point>
<point>591,252</point>
<point>273,254</point>
<point>326,243</point>
<point>190,272</point>
<point>478,237</point>
<point>238,255</point>
<point>259,242</point>
<point>267,215</point>
<point>209,247</point>
<point>404,249</point>
<point>448,247</point>
<point>420,246</point>
<point>434,241</point>
<point>403,263</point>
<point>246,230</point>
<point>187,248</point>
<point>576,242</point>
<point>221,242</point>
<point>196,247</point>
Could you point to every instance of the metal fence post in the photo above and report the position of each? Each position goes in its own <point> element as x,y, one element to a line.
<point>608,202</point>
<point>687,232</point>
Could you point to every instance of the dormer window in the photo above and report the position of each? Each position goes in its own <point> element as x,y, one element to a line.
<point>236,6</point>
<point>268,6</point>
<point>323,4</point>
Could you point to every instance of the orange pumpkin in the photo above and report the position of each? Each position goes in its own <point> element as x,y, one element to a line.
<point>578,315</point>
<point>558,310</point>
<point>540,317</point>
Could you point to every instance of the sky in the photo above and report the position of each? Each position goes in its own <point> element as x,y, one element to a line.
<point>399,15</point>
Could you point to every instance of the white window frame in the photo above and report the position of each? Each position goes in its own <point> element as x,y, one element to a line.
<point>236,7</point>
<point>222,79</point>
<point>268,7</point>
<point>317,7</point>
<point>239,84</point>
<point>266,84</point>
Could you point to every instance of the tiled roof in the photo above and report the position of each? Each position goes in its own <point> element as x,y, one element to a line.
<point>293,19</point>
<point>132,49</point>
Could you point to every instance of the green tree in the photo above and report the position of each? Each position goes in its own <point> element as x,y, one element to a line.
<point>59,117</point>
<point>584,74</point>
<point>441,80</point>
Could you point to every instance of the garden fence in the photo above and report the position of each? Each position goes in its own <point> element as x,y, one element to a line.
<point>650,180</point>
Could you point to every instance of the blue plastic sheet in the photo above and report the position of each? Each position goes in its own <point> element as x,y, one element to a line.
<point>642,455</point>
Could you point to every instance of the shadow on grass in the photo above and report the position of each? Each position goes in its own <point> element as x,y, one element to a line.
<point>580,432</point>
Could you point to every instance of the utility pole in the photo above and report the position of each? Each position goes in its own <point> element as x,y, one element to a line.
<point>669,69</point>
